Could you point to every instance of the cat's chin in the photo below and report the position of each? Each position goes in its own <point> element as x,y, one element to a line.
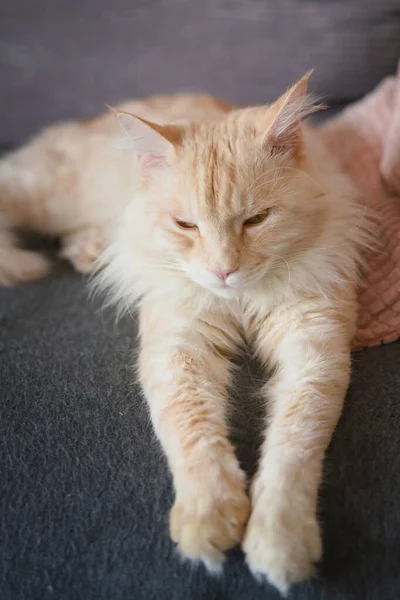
<point>225,292</point>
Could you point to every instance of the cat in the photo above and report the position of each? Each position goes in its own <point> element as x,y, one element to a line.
<point>241,229</point>
<point>73,179</point>
<point>223,226</point>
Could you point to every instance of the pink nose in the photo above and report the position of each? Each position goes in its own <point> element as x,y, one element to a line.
<point>223,273</point>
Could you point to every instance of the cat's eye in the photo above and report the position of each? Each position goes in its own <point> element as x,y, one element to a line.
<point>185,224</point>
<point>257,219</point>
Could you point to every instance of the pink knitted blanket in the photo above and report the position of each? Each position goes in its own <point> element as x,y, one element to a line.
<point>366,139</point>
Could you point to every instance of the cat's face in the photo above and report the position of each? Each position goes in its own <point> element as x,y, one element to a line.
<point>229,202</point>
<point>229,219</point>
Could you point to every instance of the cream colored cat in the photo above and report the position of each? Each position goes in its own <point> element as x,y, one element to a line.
<point>73,179</point>
<point>241,230</point>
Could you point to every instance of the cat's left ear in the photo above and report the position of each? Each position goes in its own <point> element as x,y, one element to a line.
<point>284,134</point>
<point>156,143</point>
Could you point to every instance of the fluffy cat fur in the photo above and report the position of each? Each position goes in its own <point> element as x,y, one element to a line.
<point>236,228</point>
<point>241,230</point>
<point>72,180</point>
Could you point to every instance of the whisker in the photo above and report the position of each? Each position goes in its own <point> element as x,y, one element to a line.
<point>128,310</point>
<point>354,227</point>
<point>167,266</point>
<point>306,174</point>
<point>265,183</point>
<point>288,268</point>
<point>264,174</point>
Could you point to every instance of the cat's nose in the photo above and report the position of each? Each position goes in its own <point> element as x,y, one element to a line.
<point>223,273</point>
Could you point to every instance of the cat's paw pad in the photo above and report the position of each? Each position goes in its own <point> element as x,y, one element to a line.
<point>282,545</point>
<point>204,530</point>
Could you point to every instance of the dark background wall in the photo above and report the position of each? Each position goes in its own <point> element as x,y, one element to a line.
<point>67,58</point>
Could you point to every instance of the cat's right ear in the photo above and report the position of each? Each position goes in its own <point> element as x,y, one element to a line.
<point>155,143</point>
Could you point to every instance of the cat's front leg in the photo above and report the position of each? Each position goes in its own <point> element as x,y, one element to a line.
<point>310,348</point>
<point>185,380</point>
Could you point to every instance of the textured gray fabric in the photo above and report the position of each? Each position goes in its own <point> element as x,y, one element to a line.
<point>63,59</point>
<point>85,489</point>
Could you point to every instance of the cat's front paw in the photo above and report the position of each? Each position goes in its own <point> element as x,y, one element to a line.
<point>282,541</point>
<point>212,520</point>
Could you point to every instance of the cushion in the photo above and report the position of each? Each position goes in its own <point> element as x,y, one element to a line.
<point>67,59</point>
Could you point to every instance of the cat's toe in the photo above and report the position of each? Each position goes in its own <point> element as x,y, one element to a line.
<point>282,546</point>
<point>205,533</point>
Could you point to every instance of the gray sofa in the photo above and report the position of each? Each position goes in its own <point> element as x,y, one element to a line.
<point>85,489</point>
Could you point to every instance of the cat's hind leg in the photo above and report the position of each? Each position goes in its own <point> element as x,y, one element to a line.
<point>83,246</point>
<point>18,265</point>
<point>20,209</point>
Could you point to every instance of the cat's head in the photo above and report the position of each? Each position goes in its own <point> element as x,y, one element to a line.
<point>228,201</point>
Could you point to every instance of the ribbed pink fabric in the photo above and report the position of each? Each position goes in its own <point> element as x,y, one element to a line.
<point>366,139</point>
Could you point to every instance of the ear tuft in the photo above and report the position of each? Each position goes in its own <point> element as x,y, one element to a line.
<point>284,133</point>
